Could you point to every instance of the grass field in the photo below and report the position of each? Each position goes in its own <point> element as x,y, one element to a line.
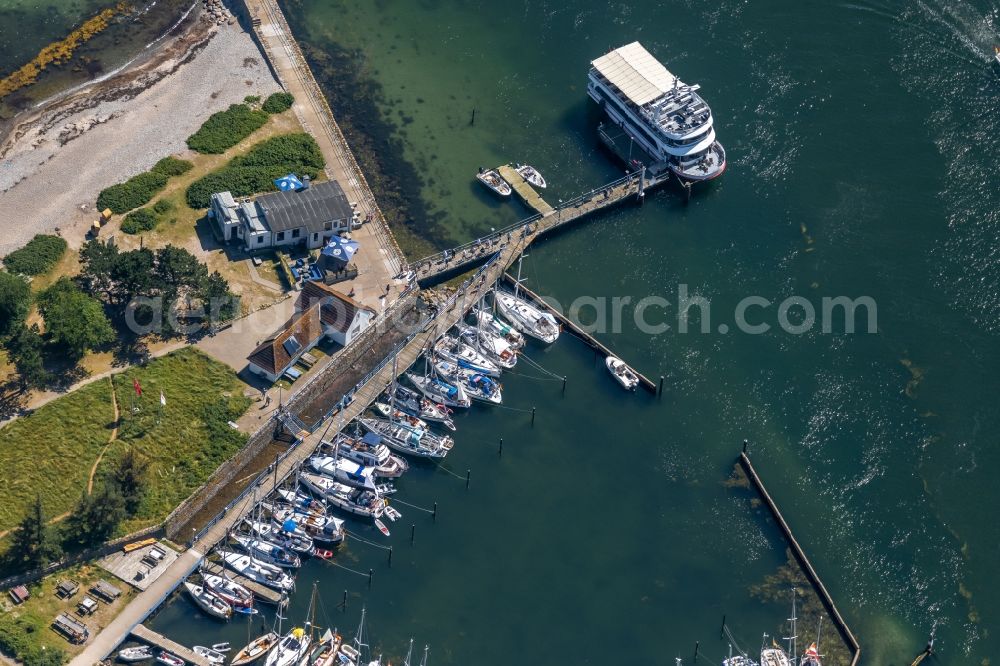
<point>51,452</point>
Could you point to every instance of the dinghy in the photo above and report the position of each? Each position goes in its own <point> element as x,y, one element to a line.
<point>134,654</point>
<point>464,356</point>
<point>494,182</point>
<point>214,656</point>
<point>526,318</point>
<point>411,441</point>
<point>621,372</point>
<point>259,572</point>
<point>268,552</point>
<point>439,391</point>
<point>355,501</point>
<point>209,602</point>
<point>411,402</point>
<point>169,659</point>
<point>531,174</point>
<point>381,527</point>
<point>256,649</point>
<point>492,345</point>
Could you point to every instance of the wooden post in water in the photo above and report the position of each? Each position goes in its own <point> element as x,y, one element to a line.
<point>435,514</point>
<point>500,452</point>
<point>390,557</point>
<point>413,532</point>
<point>660,393</point>
<point>371,574</point>
<point>468,478</point>
<point>532,417</point>
<point>473,121</point>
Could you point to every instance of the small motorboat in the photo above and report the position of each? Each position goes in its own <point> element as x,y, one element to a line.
<point>213,656</point>
<point>398,415</point>
<point>492,180</point>
<point>622,373</point>
<point>530,174</point>
<point>169,659</point>
<point>134,654</point>
<point>222,647</point>
<point>256,649</point>
<point>322,553</point>
<point>209,602</point>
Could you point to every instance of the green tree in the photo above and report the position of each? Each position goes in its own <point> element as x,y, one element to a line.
<point>133,275</point>
<point>95,518</point>
<point>73,319</point>
<point>177,268</point>
<point>129,477</point>
<point>220,303</point>
<point>98,259</point>
<point>32,544</point>
<point>24,348</point>
<point>15,300</point>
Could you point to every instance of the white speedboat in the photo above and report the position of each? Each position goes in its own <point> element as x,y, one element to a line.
<point>268,552</point>
<point>463,355</point>
<point>531,174</point>
<point>355,501</point>
<point>290,650</point>
<point>526,318</point>
<point>259,572</point>
<point>411,402</point>
<point>369,450</point>
<point>345,471</point>
<point>440,391</point>
<point>214,657</point>
<point>255,649</point>
<point>209,602</point>
<point>494,346</point>
<point>134,654</point>
<point>476,385</point>
<point>622,373</point>
<point>328,529</point>
<point>230,591</point>
<point>492,180</point>
<point>489,321</point>
<point>411,441</point>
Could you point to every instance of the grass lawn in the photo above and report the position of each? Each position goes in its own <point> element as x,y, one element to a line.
<point>33,619</point>
<point>52,451</point>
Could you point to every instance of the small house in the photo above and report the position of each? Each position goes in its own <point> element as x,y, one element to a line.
<point>105,591</point>
<point>19,594</point>
<point>74,630</point>
<point>343,317</point>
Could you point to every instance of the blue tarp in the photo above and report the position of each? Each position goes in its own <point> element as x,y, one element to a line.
<point>289,182</point>
<point>372,439</point>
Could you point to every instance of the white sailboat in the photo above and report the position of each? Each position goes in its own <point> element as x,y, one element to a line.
<point>355,501</point>
<point>369,450</point>
<point>259,572</point>
<point>232,592</point>
<point>268,552</point>
<point>328,529</point>
<point>476,385</point>
<point>440,391</point>
<point>494,346</point>
<point>488,320</point>
<point>293,647</point>
<point>209,602</point>
<point>410,401</point>
<point>411,441</point>
<point>464,356</point>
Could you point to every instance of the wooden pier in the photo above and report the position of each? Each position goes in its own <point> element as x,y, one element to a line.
<point>147,635</point>
<point>800,557</point>
<point>572,327</point>
<point>261,592</point>
<point>528,194</point>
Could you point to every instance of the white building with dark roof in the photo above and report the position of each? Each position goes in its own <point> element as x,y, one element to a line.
<point>308,217</point>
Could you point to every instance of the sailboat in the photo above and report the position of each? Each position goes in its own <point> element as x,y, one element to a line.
<point>232,592</point>
<point>464,356</point>
<point>209,602</point>
<point>294,646</point>
<point>811,657</point>
<point>411,441</point>
<point>294,539</point>
<point>488,320</point>
<point>439,391</point>
<point>526,318</point>
<point>213,656</point>
<point>259,572</point>
<point>301,501</point>
<point>476,385</point>
<point>325,652</point>
<point>268,552</point>
<point>369,450</point>
<point>355,501</point>
<point>774,655</point>
<point>493,345</point>
<point>351,653</point>
<point>328,529</point>
<point>255,649</point>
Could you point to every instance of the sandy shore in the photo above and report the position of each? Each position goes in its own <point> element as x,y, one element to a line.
<point>55,159</point>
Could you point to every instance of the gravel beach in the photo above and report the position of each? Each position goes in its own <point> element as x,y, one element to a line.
<point>54,163</point>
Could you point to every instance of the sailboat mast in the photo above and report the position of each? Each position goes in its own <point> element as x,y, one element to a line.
<point>517,284</point>
<point>792,638</point>
<point>409,653</point>
<point>423,662</point>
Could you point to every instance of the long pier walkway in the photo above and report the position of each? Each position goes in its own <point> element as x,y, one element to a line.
<point>147,635</point>
<point>380,259</point>
<point>528,194</point>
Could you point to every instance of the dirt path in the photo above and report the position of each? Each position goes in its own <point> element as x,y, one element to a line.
<point>111,439</point>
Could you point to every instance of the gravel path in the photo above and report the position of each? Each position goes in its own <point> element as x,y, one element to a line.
<point>45,185</point>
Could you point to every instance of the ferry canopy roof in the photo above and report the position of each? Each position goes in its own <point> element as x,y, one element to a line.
<point>636,73</point>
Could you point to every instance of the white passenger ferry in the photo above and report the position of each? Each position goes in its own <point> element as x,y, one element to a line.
<point>664,116</point>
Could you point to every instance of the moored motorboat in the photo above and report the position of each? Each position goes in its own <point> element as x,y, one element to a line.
<point>259,572</point>
<point>369,450</point>
<point>344,471</point>
<point>209,602</point>
<point>355,501</point>
<point>230,591</point>
<point>622,373</point>
<point>256,649</point>
<point>411,441</point>
<point>531,174</point>
<point>526,318</point>
<point>440,391</point>
<point>135,653</point>
<point>214,656</point>
<point>465,356</point>
<point>491,179</point>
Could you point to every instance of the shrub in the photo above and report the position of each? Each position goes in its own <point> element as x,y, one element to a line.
<point>136,191</point>
<point>278,102</point>
<point>251,99</point>
<point>225,129</point>
<point>163,206</point>
<point>138,221</point>
<point>40,254</point>
<point>256,171</point>
<point>172,166</point>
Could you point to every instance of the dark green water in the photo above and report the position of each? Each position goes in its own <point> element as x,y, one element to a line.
<point>862,140</point>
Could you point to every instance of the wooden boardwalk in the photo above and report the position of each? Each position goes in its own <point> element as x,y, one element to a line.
<point>575,329</point>
<point>147,635</point>
<point>528,194</point>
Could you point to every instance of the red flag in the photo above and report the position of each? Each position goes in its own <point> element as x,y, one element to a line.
<point>137,387</point>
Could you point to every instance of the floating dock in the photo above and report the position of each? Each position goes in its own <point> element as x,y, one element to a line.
<point>591,341</point>
<point>261,592</point>
<point>800,557</point>
<point>147,635</point>
<point>528,194</point>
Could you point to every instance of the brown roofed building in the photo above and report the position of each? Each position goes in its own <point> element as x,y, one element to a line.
<point>320,312</point>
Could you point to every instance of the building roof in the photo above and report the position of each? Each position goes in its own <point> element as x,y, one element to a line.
<point>636,73</point>
<point>338,310</point>
<point>300,332</point>
<point>311,208</point>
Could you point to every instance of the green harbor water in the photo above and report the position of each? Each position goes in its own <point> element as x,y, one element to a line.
<point>862,140</point>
